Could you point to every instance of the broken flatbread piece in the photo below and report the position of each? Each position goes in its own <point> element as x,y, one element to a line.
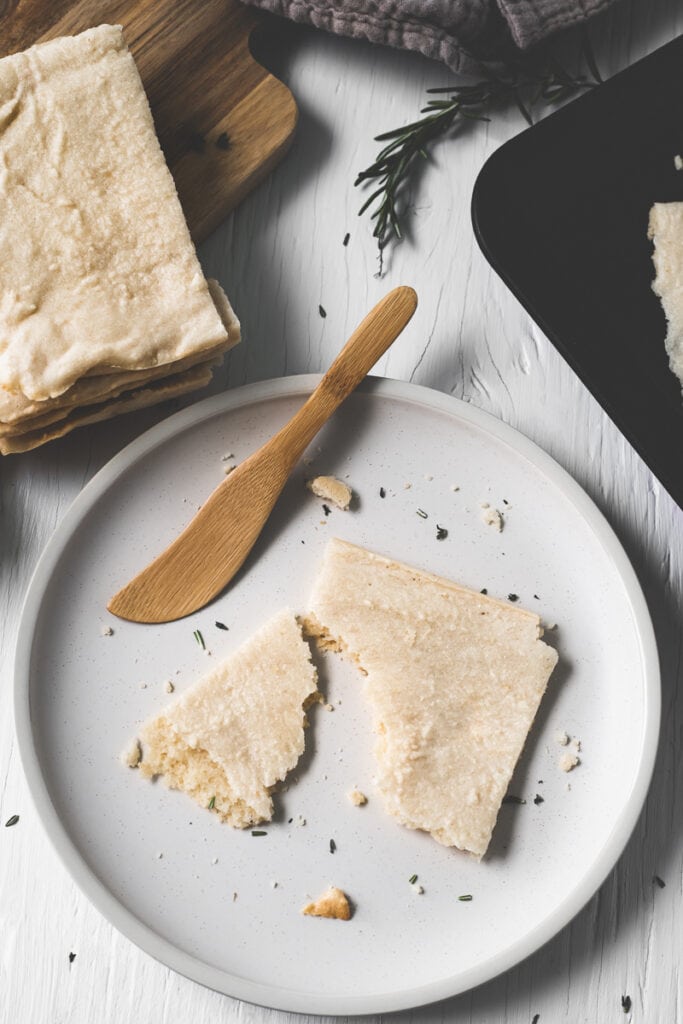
<point>454,679</point>
<point>333,903</point>
<point>237,732</point>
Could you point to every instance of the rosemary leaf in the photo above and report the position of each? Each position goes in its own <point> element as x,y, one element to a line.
<point>525,82</point>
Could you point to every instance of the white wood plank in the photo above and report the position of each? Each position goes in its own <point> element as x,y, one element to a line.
<point>280,256</point>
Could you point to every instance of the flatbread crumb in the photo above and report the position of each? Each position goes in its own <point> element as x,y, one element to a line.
<point>331,489</point>
<point>312,630</point>
<point>357,798</point>
<point>333,904</point>
<point>132,754</point>
<point>492,517</point>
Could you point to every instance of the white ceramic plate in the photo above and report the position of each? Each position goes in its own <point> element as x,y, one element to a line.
<point>79,699</point>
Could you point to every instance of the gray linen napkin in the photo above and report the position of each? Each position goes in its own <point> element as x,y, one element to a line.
<point>447,30</point>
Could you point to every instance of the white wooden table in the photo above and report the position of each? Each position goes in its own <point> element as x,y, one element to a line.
<point>280,256</point>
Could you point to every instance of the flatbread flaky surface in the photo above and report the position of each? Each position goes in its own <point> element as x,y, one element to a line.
<point>228,739</point>
<point>454,679</point>
<point>97,268</point>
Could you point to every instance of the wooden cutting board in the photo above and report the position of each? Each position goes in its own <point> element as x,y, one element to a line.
<point>223,121</point>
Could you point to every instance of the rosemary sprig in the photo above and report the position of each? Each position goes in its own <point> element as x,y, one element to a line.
<point>528,82</point>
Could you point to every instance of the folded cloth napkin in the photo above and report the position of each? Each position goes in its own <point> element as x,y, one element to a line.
<point>456,32</point>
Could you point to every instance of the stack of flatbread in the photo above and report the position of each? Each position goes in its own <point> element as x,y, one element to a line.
<point>103,304</point>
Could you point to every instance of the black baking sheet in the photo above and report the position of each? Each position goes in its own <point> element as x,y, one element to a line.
<point>561,213</point>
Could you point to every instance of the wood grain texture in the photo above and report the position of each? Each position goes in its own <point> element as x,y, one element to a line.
<point>280,254</point>
<point>214,545</point>
<point>223,121</point>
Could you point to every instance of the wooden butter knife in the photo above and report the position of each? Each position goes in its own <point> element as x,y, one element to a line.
<point>212,547</point>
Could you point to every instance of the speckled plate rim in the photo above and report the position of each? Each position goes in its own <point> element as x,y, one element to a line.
<point>278,997</point>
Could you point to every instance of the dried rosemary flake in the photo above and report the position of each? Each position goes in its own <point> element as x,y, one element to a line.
<point>659,881</point>
<point>467,898</point>
<point>538,799</point>
<point>513,597</point>
<point>326,510</point>
<point>12,821</point>
<point>421,513</point>
<point>221,625</point>
<point>510,799</point>
<point>72,957</point>
<point>212,803</point>
<point>197,634</point>
<point>333,846</point>
<point>258,832</point>
<point>347,236</point>
<point>441,532</point>
<point>322,311</point>
<point>413,879</point>
<point>382,493</point>
<point>626,1004</point>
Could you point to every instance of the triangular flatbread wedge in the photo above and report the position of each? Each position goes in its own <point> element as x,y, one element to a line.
<point>237,732</point>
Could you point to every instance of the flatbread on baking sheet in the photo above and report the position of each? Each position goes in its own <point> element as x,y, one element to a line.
<point>98,268</point>
<point>159,391</point>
